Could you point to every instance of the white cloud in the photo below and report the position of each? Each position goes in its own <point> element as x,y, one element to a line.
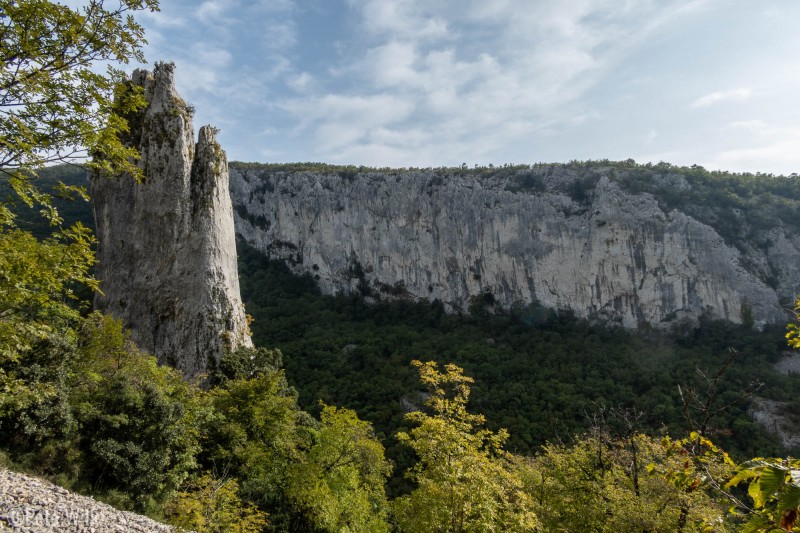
<point>410,19</point>
<point>279,34</point>
<point>301,83</point>
<point>765,146</point>
<point>161,19</point>
<point>341,120</point>
<point>216,12</point>
<point>391,64</point>
<point>201,69</point>
<point>732,95</point>
<point>780,156</point>
<point>751,125</point>
<point>478,76</point>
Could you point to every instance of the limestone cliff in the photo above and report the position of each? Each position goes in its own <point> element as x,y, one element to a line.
<point>551,235</point>
<point>167,252</point>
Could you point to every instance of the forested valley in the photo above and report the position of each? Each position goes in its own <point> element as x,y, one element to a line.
<point>392,416</point>
<point>348,415</point>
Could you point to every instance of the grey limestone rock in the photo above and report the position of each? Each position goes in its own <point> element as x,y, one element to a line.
<point>600,251</point>
<point>779,419</point>
<point>167,250</point>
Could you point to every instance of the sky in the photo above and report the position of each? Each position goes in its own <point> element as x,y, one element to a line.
<point>419,83</point>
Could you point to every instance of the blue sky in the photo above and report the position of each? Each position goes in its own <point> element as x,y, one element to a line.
<point>444,82</point>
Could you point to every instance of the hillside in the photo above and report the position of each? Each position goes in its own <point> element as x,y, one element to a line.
<point>554,364</point>
<point>542,375</point>
<point>529,355</point>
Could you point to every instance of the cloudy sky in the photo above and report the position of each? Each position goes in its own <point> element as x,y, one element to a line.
<point>444,82</point>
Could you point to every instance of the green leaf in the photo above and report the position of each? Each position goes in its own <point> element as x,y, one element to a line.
<point>741,475</point>
<point>754,491</point>
<point>789,499</point>
<point>770,481</point>
<point>757,524</point>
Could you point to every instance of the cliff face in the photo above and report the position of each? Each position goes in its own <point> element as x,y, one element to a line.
<point>557,240</point>
<point>167,251</point>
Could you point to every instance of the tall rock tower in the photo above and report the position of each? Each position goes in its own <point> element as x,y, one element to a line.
<point>167,249</point>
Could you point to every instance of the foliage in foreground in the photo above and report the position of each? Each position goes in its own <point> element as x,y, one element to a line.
<point>104,417</point>
<point>211,505</point>
<point>465,480</point>
<point>600,483</point>
<point>774,488</point>
<point>56,105</point>
<point>241,456</point>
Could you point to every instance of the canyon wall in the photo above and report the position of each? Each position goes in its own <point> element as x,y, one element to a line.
<point>551,235</point>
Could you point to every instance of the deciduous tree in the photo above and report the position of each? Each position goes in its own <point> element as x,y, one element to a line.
<point>54,102</point>
<point>466,482</point>
<point>339,483</point>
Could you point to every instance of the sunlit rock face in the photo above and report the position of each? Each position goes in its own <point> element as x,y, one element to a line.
<point>167,250</point>
<point>550,235</point>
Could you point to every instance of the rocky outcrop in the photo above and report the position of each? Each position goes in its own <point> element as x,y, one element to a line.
<point>28,504</point>
<point>778,418</point>
<point>546,235</point>
<point>789,364</point>
<point>167,251</point>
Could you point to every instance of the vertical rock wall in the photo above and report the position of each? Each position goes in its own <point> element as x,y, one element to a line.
<point>437,235</point>
<point>167,251</point>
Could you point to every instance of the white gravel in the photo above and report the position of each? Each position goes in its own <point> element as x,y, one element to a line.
<point>32,505</point>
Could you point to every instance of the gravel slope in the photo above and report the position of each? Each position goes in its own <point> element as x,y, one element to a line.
<point>29,505</point>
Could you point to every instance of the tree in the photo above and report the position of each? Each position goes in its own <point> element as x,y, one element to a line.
<point>137,427</point>
<point>255,432</point>
<point>101,415</point>
<point>595,485</point>
<point>211,505</point>
<point>773,484</point>
<point>793,335</point>
<point>774,487</point>
<point>466,482</point>
<point>54,104</point>
<point>37,282</point>
<point>339,483</point>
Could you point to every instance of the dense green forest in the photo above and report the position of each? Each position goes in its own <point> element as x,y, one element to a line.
<point>540,374</point>
<point>533,419</point>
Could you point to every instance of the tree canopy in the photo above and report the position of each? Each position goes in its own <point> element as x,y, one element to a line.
<point>465,481</point>
<point>55,103</point>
